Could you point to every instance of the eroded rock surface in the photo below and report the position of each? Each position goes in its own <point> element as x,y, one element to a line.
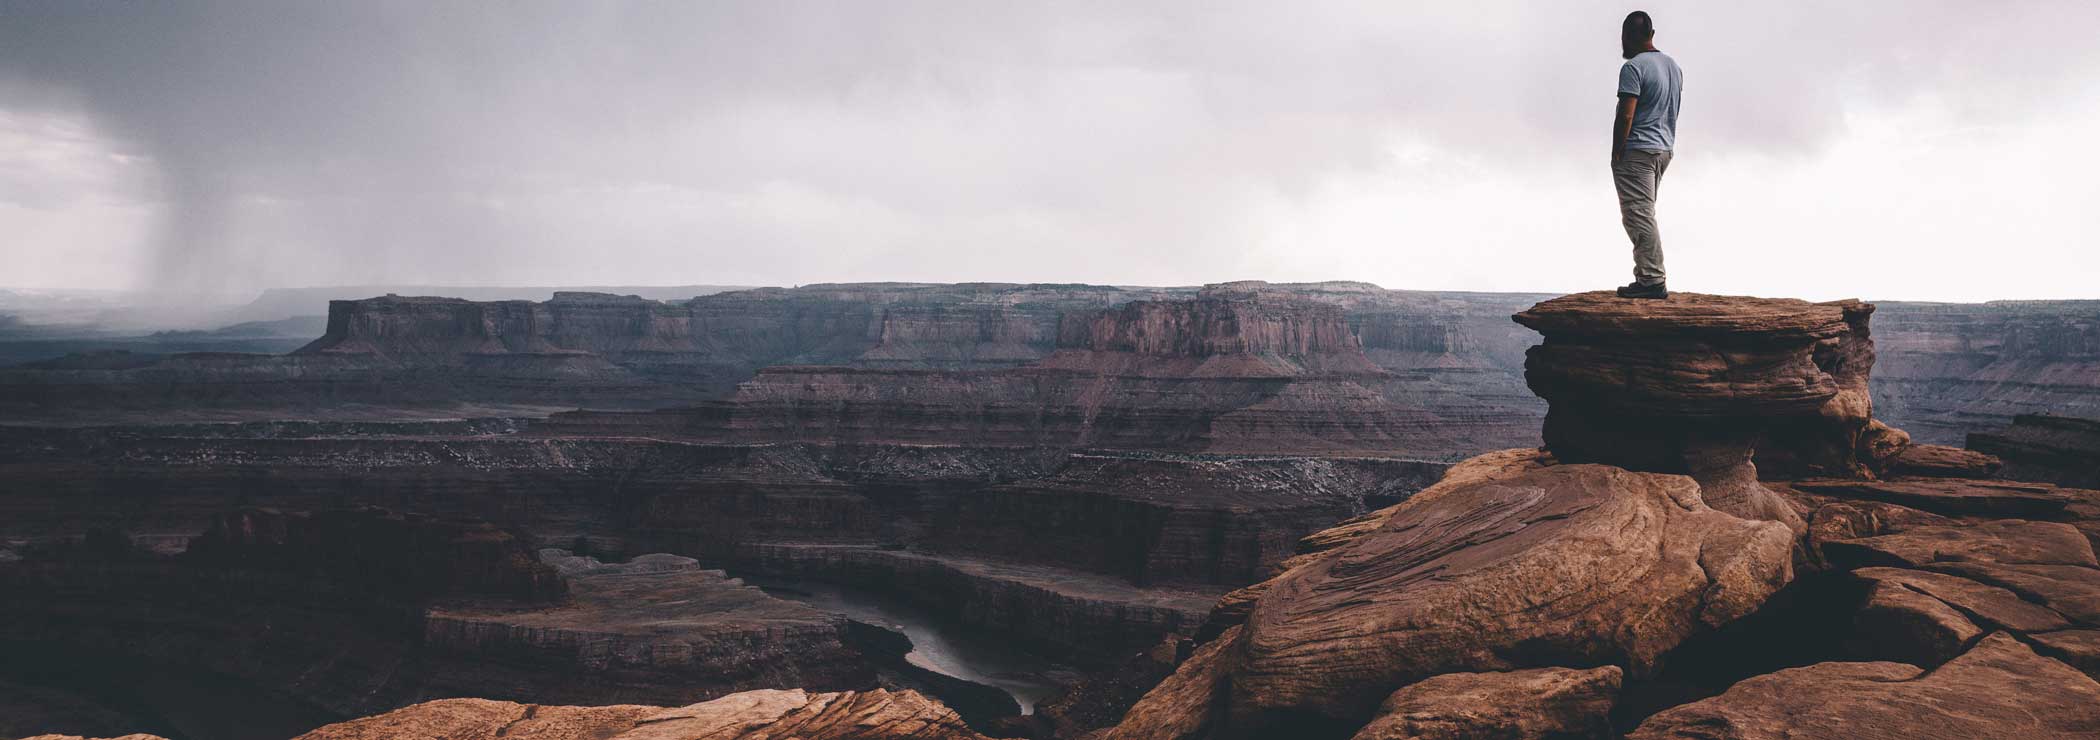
<point>1941,461</point>
<point>751,715</point>
<point>1998,689</point>
<point>1694,383</point>
<point>1536,704</point>
<point>1580,564</point>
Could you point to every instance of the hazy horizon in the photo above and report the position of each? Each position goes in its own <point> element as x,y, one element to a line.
<point>1881,150</point>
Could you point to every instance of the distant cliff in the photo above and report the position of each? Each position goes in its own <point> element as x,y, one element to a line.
<point>1944,369</point>
<point>1949,369</point>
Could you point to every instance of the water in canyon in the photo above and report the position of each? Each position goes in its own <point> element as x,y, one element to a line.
<point>938,643</point>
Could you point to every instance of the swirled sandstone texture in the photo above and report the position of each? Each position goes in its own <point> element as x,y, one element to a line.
<point>769,714</point>
<point>1703,384</point>
<point>1535,704</point>
<point>1998,689</point>
<point>1563,565</point>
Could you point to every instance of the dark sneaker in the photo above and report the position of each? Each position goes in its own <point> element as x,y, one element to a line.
<point>1637,290</point>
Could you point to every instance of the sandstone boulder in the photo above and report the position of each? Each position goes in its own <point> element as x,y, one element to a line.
<point>482,719</point>
<point>1234,607</point>
<point>1536,704</point>
<point>769,714</point>
<point>799,715</point>
<point>1942,461</point>
<point>1998,689</point>
<point>1564,565</point>
<point>1927,618</point>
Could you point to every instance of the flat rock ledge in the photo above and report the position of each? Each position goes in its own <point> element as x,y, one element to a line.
<point>1998,689</point>
<point>1717,387</point>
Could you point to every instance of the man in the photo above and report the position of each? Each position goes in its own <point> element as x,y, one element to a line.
<point>1643,131</point>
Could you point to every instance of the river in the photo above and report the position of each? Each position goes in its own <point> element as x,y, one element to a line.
<point>939,644</point>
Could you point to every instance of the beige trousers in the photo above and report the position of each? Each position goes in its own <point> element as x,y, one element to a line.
<point>1639,175</point>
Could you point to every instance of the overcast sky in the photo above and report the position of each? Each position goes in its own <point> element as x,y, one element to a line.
<point>1878,149</point>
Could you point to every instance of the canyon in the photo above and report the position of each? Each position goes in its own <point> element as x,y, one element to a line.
<point>1320,510</point>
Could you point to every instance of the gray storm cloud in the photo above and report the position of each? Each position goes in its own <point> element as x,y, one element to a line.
<point>314,143</point>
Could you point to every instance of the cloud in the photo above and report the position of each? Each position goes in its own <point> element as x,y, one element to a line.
<point>1433,145</point>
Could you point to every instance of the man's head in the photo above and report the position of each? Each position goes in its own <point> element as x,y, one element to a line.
<point>1636,35</point>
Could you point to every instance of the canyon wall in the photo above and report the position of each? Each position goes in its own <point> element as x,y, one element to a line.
<point>1946,370</point>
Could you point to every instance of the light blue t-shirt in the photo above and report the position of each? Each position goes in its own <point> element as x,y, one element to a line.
<point>1654,77</point>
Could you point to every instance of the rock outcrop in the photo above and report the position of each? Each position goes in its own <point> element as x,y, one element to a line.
<point>1941,461</point>
<point>1566,565</point>
<point>1536,704</point>
<point>1999,688</point>
<point>753,715</point>
<point>1523,569</point>
<point>1721,388</point>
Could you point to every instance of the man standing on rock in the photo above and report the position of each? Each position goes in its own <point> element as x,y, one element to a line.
<point>1643,130</point>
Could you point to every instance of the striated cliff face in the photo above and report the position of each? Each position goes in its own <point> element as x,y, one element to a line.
<point>1945,370</point>
<point>394,357</point>
<point>1225,320</point>
<point>1950,369</point>
<point>1237,369</point>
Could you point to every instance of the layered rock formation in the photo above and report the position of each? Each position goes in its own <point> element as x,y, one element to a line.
<point>1567,564</point>
<point>403,356</point>
<point>1950,369</point>
<point>1702,384</point>
<point>1237,369</point>
<point>1536,704</point>
<point>755,715</point>
<point>1096,473</point>
<point>2001,688</point>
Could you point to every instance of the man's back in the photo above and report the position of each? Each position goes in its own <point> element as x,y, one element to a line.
<point>1654,78</point>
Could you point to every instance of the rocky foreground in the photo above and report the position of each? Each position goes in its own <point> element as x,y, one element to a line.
<point>1717,540</point>
<point>1889,607</point>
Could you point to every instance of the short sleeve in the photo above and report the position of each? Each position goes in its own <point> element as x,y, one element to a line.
<point>1629,79</point>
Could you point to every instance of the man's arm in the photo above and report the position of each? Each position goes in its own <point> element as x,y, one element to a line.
<point>1622,124</point>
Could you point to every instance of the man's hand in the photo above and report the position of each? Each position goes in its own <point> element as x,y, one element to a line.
<point>1622,125</point>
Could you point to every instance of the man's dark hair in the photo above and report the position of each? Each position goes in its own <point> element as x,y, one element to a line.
<point>1635,33</point>
<point>1638,27</point>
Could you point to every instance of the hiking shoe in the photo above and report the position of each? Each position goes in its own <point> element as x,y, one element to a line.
<point>1637,290</point>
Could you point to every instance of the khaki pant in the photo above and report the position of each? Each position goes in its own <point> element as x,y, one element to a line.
<point>1639,176</point>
